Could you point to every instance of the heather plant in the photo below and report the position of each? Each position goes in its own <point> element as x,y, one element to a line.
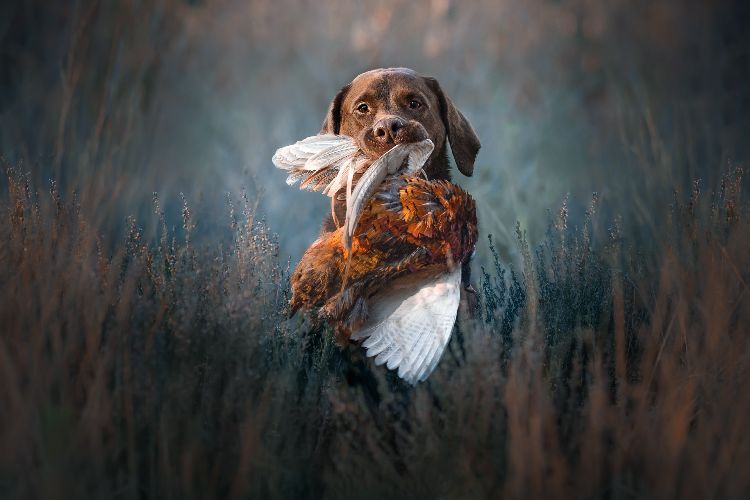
<point>167,367</point>
<point>145,345</point>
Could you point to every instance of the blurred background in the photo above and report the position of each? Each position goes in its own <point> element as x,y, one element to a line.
<point>118,100</point>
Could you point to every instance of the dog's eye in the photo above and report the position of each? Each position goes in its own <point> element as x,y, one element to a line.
<point>363,108</point>
<point>414,104</point>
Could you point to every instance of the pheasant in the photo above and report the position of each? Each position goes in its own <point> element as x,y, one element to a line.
<point>391,275</point>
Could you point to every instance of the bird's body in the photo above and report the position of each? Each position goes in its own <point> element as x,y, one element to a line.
<point>403,278</point>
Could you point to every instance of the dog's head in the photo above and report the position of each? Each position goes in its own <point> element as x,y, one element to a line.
<point>385,107</point>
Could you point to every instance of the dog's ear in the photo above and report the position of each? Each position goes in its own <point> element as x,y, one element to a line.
<point>332,122</point>
<point>464,141</point>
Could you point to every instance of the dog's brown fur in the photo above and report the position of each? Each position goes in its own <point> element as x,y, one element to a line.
<point>381,100</point>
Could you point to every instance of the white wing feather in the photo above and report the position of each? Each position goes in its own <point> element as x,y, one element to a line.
<point>313,156</point>
<point>323,150</point>
<point>410,324</point>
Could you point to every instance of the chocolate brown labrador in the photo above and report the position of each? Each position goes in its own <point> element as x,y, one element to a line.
<point>384,107</point>
<point>388,106</point>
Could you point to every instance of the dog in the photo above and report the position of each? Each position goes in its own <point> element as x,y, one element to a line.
<point>380,109</point>
<point>387,106</point>
<point>384,107</point>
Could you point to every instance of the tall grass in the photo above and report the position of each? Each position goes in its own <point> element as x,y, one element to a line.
<point>167,368</point>
<point>143,360</point>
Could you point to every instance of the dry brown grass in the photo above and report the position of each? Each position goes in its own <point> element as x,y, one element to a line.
<point>168,369</point>
<point>142,361</point>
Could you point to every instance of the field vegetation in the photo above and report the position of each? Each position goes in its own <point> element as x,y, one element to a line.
<point>146,349</point>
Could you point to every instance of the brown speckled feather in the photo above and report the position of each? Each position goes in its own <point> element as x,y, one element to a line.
<point>411,226</point>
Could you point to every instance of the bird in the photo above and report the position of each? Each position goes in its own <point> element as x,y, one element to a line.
<point>404,274</point>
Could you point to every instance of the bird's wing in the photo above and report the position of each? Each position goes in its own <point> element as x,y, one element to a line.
<point>315,152</point>
<point>410,323</point>
<point>316,161</point>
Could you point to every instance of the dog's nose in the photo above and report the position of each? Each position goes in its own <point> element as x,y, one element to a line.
<point>386,128</point>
